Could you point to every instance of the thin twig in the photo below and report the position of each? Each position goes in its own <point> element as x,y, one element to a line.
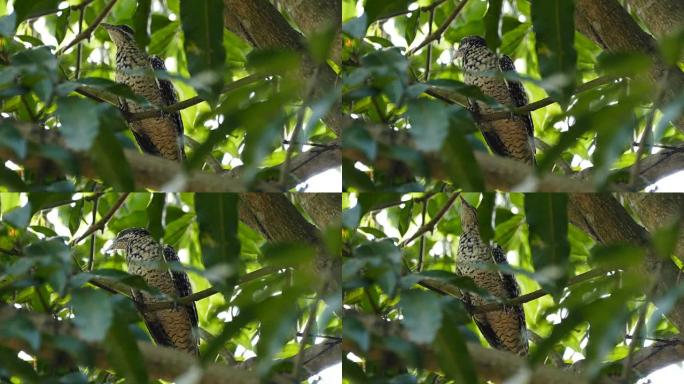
<point>101,223</point>
<point>421,248</point>
<point>627,364</point>
<point>88,31</point>
<point>193,100</point>
<point>305,339</point>
<point>433,222</point>
<point>91,257</point>
<point>636,169</point>
<point>69,202</point>
<point>53,11</point>
<point>438,33</point>
<point>545,101</point>
<point>79,49</point>
<point>428,58</point>
<point>285,169</point>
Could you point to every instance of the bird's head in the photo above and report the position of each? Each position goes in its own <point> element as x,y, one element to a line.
<point>124,238</point>
<point>120,34</point>
<point>468,43</point>
<point>468,215</point>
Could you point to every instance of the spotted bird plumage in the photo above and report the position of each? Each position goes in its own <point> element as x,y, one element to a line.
<point>161,135</point>
<point>145,257</point>
<point>510,137</point>
<point>503,329</point>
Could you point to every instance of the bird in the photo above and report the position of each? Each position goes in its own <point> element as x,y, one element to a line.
<point>145,257</point>
<point>510,137</point>
<point>504,329</point>
<point>162,135</point>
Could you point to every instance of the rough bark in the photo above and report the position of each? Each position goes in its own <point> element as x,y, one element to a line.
<point>609,25</point>
<point>316,16</point>
<point>606,221</point>
<point>161,362</point>
<point>662,17</point>
<point>323,208</point>
<point>659,210</point>
<point>260,24</point>
<point>278,220</point>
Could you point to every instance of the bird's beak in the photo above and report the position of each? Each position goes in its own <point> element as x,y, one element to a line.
<point>112,247</point>
<point>106,26</point>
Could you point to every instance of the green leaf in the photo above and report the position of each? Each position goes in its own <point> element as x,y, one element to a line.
<point>25,9</point>
<point>75,213</point>
<point>154,215</point>
<point>161,38</point>
<point>11,179</point>
<point>377,9</point>
<point>484,216</point>
<point>109,160</point>
<point>18,217</point>
<point>422,314</point>
<point>451,349</point>
<point>356,332</point>
<point>217,219</point>
<point>554,27</point>
<point>79,122</point>
<point>92,313</point>
<point>123,352</point>
<point>202,23</point>
<point>21,327</point>
<point>356,137</point>
<point>429,123</point>
<point>140,22</point>
<point>457,154</point>
<point>547,220</point>
<point>492,21</point>
<point>8,24</point>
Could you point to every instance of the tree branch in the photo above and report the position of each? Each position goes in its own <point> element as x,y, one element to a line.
<point>88,31</point>
<point>438,32</point>
<point>101,223</point>
<point>433,222</point>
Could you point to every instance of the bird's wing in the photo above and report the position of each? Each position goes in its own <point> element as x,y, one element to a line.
<point>145,143</point>
<point>182,284</point>
<point>153,323</point>
<point>511,286</point>
<point>517,92</point>
<point>169,96</point>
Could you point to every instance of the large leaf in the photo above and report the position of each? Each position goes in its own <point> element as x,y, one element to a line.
<point>141,21</point>
<point>429,123</point>
<point>123,352</point>
<point>376,9</point>
<point>492,22</point>
<point>217,219</point>
<point>554,27</point>
<point>79,122</point>
<point>93,313</point>
<point>25,9</point>
<point>202,23</point>
<point>422,314</point>
<point>450,347</point>
<point>547,219</point>
<point>457,155</point>
<point>154,215</point>
<point>109,160</point>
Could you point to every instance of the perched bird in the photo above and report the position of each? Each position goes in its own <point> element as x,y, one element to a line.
<point>146,257</point>
<point>161,135</point>
<point>511,137</point>
<point>503,329</point>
